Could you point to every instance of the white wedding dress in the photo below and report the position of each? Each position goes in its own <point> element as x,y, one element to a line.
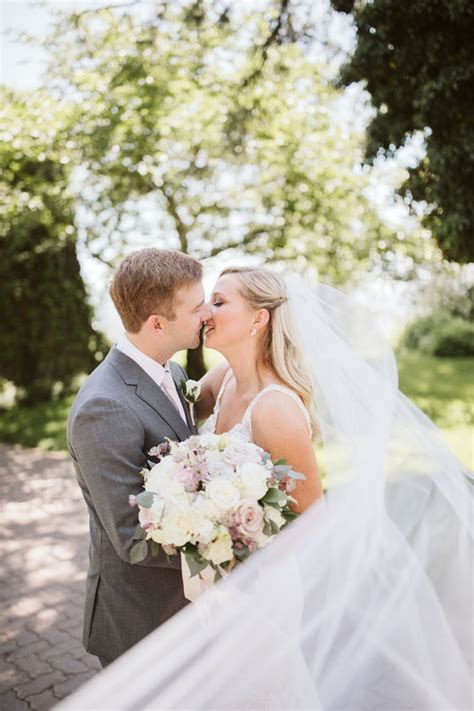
<point>285,612</point>
<point>196,585</point>
<point>243,429</point>
<point>364,603</point>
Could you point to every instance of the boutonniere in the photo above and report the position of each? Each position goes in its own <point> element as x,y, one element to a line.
<point>191,391</point>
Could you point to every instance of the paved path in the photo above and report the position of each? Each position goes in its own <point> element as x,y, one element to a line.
<point>43,561</point>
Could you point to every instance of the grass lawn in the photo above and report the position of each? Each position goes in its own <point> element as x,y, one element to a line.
<point>441,387</point>
<point>444,389</point>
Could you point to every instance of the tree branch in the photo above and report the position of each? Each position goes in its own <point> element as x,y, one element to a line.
<point>249,237</point>
<point>101,259</point>
<point>180,226</point>
<point>272,37</point>
<point>87,11</point>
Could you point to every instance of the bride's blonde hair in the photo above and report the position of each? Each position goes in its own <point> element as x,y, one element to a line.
<point>264,289</point>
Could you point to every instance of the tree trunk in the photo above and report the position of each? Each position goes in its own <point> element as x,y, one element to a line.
<point>195,367</point>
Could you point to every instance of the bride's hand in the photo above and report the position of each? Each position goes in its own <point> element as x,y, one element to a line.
<point>280,428</point>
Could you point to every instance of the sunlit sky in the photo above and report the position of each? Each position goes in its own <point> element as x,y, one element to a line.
<point>22,66</point>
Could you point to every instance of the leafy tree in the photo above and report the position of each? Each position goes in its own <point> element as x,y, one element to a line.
<point>195,135</point>
<point>182,139</point>
<point>46,335</point>
<point>417,62</point>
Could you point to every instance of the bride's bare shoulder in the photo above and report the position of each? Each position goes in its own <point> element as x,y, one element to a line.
<point>277,411</point>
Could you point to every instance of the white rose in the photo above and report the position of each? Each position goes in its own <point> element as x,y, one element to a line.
<point>252,481</point>
<point>271,514</point>
<point>220,550</point>
<point>223,493</point>
<point>218,468</point>
<point>204,514</point>
<point>238,452</point>
<point>193,390</point>
<point>178,527</point>
<point>157,535</point>
<point>204,528</point>
<point>162,479</point>
<point>157,510</point>
<point>223,441</point>
<point>209,439</point>
<point>203,506</point>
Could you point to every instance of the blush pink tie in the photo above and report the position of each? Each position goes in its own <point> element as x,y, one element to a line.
<point>169,387</point>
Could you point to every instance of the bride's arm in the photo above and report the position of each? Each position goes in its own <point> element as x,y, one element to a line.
<point>210,384</point>
<point>280,428</point>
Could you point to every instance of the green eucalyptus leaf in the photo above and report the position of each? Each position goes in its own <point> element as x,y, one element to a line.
<point>138,552</point>
<point>195,561</point>
<point>281,470</point>
<point>155,548</point>
<point>145,499</point>
<point>296,475</point>
<point>273,496</point>
<point>139,533</point>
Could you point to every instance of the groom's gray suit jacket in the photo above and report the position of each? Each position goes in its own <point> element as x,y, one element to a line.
<point>118,415</point>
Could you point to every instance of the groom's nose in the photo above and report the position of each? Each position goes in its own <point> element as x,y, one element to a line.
<point>206,312</point>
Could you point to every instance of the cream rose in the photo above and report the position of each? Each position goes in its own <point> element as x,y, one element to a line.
<point>177,527</point>
<point>271,514</point>
<point>220,550</point>
<point>223,493</point>
<point>252,481</point>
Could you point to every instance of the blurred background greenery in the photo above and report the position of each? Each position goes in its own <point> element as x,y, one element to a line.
<point>334,138</point>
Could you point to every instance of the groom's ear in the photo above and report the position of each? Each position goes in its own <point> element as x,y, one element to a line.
<point>155,323</point>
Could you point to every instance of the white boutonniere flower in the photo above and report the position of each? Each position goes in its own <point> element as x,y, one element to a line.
<point>192,392</point>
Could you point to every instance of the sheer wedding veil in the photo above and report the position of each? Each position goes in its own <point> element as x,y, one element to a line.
<point>365,601</point>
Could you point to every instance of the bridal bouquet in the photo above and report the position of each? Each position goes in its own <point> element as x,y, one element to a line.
<point>214,499</point>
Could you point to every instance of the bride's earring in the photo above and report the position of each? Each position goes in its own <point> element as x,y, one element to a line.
<point>253,332</point>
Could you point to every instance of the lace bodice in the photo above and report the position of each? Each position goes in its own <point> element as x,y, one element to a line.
<point>243,429</point>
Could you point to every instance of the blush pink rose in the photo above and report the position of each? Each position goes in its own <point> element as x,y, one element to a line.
<point>251,517</point>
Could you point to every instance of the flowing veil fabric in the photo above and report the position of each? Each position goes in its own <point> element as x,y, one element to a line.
<point>364,603</point>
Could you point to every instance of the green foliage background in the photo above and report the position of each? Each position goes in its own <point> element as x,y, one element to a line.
<point>218,131</point>
<point>417,61</point>
<point>46,336</point>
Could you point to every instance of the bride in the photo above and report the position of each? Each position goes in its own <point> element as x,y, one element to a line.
<point>263,392</point>
<point>364,603</point>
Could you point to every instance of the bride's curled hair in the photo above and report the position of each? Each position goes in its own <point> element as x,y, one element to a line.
<point>264,289</point>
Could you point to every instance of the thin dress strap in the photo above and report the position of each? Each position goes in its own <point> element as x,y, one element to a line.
<point>225,380</point>
<point>282,389</point>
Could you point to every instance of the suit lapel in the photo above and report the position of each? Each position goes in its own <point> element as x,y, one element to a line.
<point>178,377</point>
<point>148,391</point>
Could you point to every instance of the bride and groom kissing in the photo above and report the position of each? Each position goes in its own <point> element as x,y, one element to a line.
<point>261,392</point>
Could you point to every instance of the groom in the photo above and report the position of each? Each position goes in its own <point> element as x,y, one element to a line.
<point>129,404</point>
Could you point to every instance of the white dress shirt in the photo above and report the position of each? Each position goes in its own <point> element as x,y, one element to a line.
<point>160,374</point>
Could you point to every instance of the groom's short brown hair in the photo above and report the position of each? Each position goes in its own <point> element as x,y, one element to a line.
<point>146,281</point>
